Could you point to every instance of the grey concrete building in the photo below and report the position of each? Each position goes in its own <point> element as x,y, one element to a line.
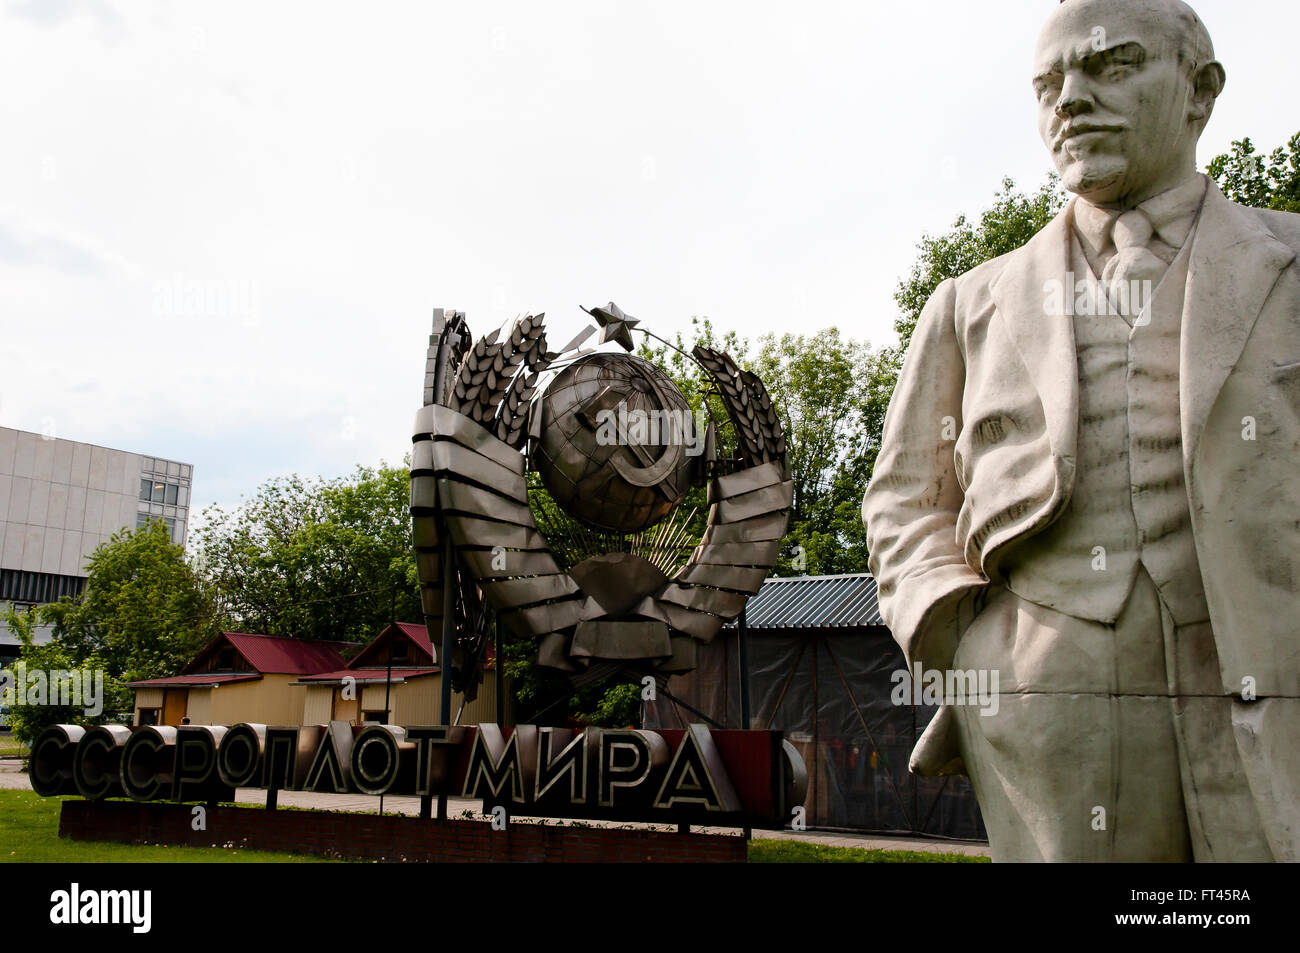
<point>59,500</point>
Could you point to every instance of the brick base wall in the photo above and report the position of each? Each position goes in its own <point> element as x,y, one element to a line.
<point>390,837</point>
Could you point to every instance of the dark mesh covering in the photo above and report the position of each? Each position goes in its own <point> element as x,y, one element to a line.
<point>829,691</point>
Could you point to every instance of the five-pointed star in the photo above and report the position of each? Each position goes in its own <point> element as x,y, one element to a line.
<point>615,325</point>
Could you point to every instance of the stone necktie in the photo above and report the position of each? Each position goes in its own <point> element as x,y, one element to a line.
<point>1137,258</point>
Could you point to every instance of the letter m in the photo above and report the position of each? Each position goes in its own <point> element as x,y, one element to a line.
<point>497,768</point>
<point>962,685</point>
<point>115,906</point>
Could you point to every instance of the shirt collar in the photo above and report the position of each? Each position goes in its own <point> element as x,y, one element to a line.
<point>1172,214</point>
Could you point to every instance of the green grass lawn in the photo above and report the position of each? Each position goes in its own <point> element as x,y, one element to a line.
<point>766,850</point>
<point>29,833</point>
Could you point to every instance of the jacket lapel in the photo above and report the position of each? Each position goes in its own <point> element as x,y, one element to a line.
<point>1235,261</point>
<point>1043,337</point>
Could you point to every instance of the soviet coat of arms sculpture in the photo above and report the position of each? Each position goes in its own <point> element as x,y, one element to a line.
<point>607,439</point>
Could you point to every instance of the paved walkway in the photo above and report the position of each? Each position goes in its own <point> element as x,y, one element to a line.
<point>10,777</point>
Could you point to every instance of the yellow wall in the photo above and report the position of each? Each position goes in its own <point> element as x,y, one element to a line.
<point>319,704</point>
<point>418,701</point>
<point>146,698</point>
<point>199,706</point>
<point>270,700</point>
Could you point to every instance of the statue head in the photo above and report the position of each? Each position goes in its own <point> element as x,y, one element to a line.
<point>1125,88</point>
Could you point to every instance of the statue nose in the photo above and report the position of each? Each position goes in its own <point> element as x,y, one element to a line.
<point>1071,107</point>
<point>1074,98</point>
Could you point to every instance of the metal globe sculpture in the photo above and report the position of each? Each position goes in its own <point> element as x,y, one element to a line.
<point>612,441</point>
<point>618,443</point>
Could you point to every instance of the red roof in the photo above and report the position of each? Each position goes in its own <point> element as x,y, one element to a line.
<point>276,655</point>
<point>193,681</point>
<point>370,674</point>
<point>419,634</point>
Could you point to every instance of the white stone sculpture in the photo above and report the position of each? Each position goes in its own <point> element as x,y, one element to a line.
<point>1090,481</point>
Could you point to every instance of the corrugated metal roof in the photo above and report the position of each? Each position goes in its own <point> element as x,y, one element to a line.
<point>814,602</point>
<point>400,673</point>
<point>193,681</point>
<point>274,655</point>
<point>419,634</point>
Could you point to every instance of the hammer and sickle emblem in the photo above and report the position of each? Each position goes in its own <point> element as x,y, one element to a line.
<point>634,461</point>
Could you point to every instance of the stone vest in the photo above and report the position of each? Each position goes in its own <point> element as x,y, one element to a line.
<point>1129,505</point>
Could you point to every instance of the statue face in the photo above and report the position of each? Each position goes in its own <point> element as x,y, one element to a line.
<point>1115,107</point>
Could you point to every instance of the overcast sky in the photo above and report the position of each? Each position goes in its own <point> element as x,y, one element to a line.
<point>223,226</point>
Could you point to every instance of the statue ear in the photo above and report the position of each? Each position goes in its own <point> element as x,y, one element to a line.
<point>1206,86</point>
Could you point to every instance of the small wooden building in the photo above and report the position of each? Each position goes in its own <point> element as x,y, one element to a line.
<point>824,668</point>
<point>243,677</point>
<point>396,680</point>
<point>239,676</point>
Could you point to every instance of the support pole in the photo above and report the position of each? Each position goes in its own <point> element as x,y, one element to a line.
<point>448,637</point>
<point>388,678</point>
<point>742,633</point>
<point>498,673</point>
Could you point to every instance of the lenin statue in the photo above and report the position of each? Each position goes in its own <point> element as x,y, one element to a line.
<point>1089,482</point>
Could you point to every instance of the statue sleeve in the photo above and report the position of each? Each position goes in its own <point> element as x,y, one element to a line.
<point>928,593</point>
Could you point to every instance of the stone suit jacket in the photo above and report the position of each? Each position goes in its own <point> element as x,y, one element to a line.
<point>979,440</point>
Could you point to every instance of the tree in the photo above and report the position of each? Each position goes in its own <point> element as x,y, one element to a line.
<point>1012,220</point>
<point>143,614</point>
<point>323,559</point>
<point>1250,179</point>
<point>144,611</point>
<point>819,384</point>
<point>38,674</point>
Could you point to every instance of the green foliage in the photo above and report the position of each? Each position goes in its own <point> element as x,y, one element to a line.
<point>144,611</point>
<point>143,614</point>
<point>544,696</point>
<point>771,850</point>
<point>315,559</point>
<point>27,721</point>
<point>1250,179</point>
<point>1012,220</point>
<point>821,385</point>
<point>619,706</point>
<point>29,833</point>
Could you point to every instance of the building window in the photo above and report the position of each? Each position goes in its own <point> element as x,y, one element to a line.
<point>377,717</point>
<point>160,491</point>
<point>149,716</point>
<point>142,519</point>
